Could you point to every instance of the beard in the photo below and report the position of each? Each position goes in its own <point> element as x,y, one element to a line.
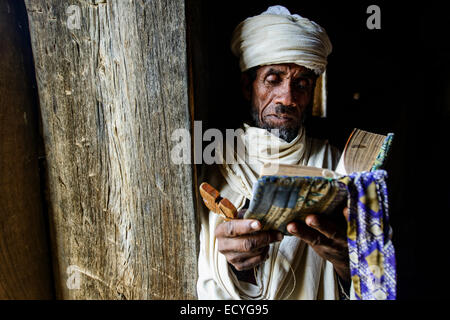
<point>286,132</point>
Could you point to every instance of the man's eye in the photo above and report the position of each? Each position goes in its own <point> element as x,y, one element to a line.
<point>273,79</point>
<point>302,83</point>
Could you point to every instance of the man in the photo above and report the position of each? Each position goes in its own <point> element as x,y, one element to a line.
<point>281,56</point>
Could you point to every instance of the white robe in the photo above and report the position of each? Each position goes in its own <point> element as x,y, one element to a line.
<point>293,270</point>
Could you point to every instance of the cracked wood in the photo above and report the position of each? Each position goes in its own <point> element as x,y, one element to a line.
<point>111,94</point>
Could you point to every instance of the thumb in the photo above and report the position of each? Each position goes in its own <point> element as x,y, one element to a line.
<point>346,213</point>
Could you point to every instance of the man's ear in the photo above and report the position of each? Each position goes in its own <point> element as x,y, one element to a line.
<point>246,86</point>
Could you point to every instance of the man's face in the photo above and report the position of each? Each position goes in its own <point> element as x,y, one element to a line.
<point>280,95</point>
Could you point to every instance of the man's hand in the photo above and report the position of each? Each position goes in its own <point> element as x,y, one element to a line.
<point>328,238</point>
<point>243,244</point>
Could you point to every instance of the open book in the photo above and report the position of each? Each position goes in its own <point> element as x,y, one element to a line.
<point>285,193</point>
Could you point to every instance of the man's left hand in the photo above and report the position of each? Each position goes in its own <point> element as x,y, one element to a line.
<point>328,238</point>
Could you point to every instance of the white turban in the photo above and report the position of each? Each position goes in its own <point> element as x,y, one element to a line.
<point>276,37</point>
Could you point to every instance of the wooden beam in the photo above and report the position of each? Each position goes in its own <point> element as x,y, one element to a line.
<point>112,90</point>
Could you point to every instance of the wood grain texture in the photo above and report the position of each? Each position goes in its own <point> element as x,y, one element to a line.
<point>25,268</point>
<point>111,94</point>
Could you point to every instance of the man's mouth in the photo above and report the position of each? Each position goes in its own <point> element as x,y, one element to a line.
<point>280,117</point>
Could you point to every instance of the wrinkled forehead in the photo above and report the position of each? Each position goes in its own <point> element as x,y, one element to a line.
<point>286,69</point>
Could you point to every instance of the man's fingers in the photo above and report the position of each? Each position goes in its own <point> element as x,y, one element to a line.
<point>310,236</point>
<point>239,257</point>
<point>346,213</point>
<point>325,226</point>
<point>249,263</point>
<point>249,242</point>
<point>237,227</point>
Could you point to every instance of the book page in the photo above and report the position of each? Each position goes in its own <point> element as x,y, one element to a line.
<point>361,151</point>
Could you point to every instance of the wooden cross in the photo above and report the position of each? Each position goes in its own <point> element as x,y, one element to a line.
<point>217,204</point>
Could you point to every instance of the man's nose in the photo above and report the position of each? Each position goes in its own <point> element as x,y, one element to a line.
<point>285,95</point>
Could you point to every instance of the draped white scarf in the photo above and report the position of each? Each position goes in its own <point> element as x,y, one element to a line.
<point>261,147</point>
<point>293,270</point>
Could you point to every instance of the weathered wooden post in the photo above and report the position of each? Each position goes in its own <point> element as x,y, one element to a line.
<point>25,269</point>
<point>112,77</point>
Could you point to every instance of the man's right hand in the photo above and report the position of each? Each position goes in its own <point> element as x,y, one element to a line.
<point>243,244</point>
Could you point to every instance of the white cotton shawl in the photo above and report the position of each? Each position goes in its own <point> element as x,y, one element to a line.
<point>276,36</point>
<point>293,270</point>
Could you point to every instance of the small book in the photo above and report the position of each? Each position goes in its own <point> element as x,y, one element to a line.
<point>286,193</point>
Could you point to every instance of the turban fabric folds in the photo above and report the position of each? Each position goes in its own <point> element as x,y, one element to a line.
<point>276,37</point>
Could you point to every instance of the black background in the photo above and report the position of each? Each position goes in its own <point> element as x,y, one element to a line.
<point>401,73</point>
